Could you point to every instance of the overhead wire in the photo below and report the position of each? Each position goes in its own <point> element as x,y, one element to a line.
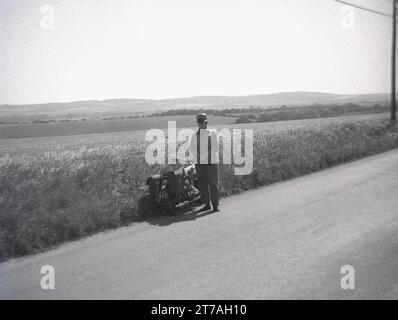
<point>363,8</point>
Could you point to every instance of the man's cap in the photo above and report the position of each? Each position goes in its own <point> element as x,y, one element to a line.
<point>201,117</point>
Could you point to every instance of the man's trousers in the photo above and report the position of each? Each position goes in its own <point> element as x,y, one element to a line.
<point>208,181</point>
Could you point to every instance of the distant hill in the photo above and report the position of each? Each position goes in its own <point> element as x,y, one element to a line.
<point>94,109</point>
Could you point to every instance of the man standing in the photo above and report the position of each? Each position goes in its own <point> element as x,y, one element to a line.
<point>204,149</point>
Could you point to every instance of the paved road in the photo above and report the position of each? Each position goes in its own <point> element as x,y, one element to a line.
<point>288,240</point>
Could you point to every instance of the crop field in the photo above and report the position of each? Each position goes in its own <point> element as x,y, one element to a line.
<point>57,189</point>
<point>99,126</point>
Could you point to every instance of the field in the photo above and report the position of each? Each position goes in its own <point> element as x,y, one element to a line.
<point>56,189</point>
<point>99,126</point>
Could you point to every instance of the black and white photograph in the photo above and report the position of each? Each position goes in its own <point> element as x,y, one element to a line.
<point>191,151</point>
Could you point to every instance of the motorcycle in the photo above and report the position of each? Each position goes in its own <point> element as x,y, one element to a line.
<point>173,191</point>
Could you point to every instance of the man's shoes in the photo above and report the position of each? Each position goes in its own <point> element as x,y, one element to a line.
<point>216,209</point>
<point>205,208</point>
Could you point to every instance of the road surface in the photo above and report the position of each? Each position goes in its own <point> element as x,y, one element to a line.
<point>285,241</point>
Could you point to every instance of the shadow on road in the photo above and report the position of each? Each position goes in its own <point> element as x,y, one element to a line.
<point>189,214</point>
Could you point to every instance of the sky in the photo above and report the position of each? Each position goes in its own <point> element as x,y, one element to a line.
<point>68,50</point>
